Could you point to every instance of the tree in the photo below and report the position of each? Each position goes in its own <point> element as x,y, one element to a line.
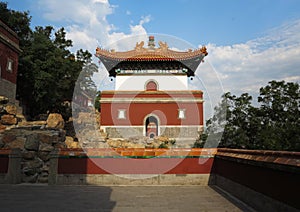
<point>85,80</point>
<point>274,125</point>
<point>18,21</point>
<point>97,101</point>
<point>51,72</point>
<point>231,122</point>
<point>47,70</point>
<point>280,115</point>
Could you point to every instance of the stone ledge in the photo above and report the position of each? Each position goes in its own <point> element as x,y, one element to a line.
<point>138,179</point>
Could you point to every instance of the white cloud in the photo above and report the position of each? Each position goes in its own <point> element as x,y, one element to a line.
<point>248,66</point>
<point>88,27</point>
<point>145,19</point>
<point>240,68</point>
<point>101,1</point>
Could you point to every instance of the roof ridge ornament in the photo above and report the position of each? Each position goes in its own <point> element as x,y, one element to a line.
<point>163,46</point>
<point>151,43</point>
<point>139,46</point>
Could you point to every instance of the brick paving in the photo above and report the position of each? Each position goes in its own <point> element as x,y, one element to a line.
<point>115,198</point>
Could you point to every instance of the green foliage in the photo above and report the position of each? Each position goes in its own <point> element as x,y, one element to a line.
<point>163,146</point>
<point>19,22</point>
<point>97,101</point>
<point>47,71</point>
<point>172,141</point>
<point>273,125</point>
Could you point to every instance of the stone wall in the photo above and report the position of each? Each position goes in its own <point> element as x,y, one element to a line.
<point>8,89</point>
<point>32,147</point>
<point>8,116</point>
<point>180,132</point>
<point>188,132</point>
<point>119,132</point>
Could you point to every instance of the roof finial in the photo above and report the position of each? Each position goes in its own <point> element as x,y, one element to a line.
<point>151,43</point>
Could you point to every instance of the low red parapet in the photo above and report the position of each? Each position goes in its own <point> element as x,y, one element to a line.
<point>269,156</point>
<point>136,161</point>
<point>135,166</point>
<point>5,151</point>
<point>4,158</point>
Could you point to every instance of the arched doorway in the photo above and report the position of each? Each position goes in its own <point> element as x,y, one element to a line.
<point>151,126</point>
<point>151,85</point>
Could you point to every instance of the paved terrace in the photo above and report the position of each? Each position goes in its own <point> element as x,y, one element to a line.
<point>79,180</point>
<point>116,198</point>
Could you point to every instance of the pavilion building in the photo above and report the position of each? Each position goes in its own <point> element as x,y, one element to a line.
<point>151,96</point>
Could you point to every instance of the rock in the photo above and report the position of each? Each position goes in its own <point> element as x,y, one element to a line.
<point>32,164</point>
<point>45,147</point>
<point>47,137</point>
<point>29,171</point>
<point>31,178</point>
<point>62,135</point>
<point>114,143</point>
<point>3,100</point>
<point>161,139</point>
<point>44,156</point>
<point>8,120</point>
<point>55,120</point>
<point>32,123</point>
<point>19,142</point>
<point>2,127</point>
<point>84,117</point>
<point>60,145</point>
<point>71,143</point>
<point>1,142</point>
<point>32,142</point>
<point>21,117</point>
<point>8,137</point>
<point>46,167</point>
<point>28,155</point>
<point>43,177</point>
<point>11,109</point>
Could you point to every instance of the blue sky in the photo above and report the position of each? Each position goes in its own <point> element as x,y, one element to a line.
<point>250,42</point>
<point>220,22</point>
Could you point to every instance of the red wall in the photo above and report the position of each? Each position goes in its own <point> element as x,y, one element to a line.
<point>8,33</point>
<point>134,166</point>
<point>8,52</point>
<point>166,112</point>
<point>5,54</point>
<point>4,158</point>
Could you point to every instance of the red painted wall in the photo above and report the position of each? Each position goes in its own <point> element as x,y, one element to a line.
<point>5,54</point>
<point>134,166</point>
<point>3,163</point>
<point>166,112</point>
<point>8,52</point>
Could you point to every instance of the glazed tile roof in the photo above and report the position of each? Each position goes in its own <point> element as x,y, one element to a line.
<point>162,53</point>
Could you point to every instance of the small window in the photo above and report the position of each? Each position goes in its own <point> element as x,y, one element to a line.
<point>10,65</point>
<point>121,114</point>
<point>181,113</point>
<point>151,86</point>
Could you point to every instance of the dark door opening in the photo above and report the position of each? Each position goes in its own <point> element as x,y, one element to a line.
<point>151,127</point>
